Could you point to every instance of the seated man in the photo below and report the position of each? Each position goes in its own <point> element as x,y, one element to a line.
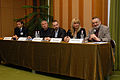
<point>99,32</point>
<point>58,32</point>
<point>20,30</point>
<point>45,31</point>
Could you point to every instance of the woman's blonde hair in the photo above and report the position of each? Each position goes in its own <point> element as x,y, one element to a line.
<point>75,20</point>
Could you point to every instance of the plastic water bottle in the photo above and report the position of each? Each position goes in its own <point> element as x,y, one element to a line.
<point>36,34</point>
<point>82,34</point>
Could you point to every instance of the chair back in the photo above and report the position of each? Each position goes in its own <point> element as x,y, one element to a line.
<point>113,43</point>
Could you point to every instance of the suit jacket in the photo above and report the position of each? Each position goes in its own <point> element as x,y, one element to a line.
<point>103,33</point>
<point>69,33</point>
<point>61,33</point>
<point>18,32</point>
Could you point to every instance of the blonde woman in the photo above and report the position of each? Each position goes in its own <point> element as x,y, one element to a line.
<point>76,31</point>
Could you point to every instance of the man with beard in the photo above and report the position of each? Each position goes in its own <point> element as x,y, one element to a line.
<point>99,32</point>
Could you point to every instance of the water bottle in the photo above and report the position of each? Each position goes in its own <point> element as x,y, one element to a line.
<point>82,35</point>
<point>36,34</point>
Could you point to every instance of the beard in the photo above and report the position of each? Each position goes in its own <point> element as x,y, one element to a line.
<point>96,27</point>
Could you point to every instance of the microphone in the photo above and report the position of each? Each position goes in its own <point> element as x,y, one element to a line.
<point>94,31</point>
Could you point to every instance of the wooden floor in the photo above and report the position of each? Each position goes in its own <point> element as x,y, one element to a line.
<point>10,72</point>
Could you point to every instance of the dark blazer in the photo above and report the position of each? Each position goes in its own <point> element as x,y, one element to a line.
<point>69,33</point>
<point>61,33</point>
<point>24,31</point>
<point>103,33</point>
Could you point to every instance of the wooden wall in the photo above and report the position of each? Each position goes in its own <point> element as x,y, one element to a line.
<point>65,10</point>
<point>9,10</point>
<point>0,22</point>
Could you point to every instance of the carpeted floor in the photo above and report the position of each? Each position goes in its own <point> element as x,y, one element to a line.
<point>115,75</point>
<point>12,73</point>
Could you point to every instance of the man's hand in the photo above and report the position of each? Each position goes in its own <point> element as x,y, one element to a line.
<point>47,38</point>
<point>66,39</point>
<point>29,37</point>
<point>15,37</point>
<point>93,36</point>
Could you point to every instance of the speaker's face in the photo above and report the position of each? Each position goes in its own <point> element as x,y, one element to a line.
<point>19,24</point>
<point>96,23</point>
<point>55,25</point>
<point>44,25</point>
<point>76,25</point>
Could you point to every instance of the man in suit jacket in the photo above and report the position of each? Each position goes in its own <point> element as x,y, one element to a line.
<point>20,30</point>
<point>99,32</point>
<point>58,32</point>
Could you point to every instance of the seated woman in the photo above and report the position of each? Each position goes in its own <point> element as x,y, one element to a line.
<point>76,31</point>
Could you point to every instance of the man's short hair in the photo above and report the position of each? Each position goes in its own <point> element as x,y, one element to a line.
<point>96,18</point>
<point>54,21</point>
<point>20,22</point>
<point>44,20</point>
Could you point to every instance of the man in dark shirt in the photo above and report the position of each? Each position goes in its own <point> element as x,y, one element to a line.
<point>20,30</point>
<point>45,31</point>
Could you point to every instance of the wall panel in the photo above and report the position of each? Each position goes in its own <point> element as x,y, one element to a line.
<point>0,21</point>
<point>63,11</point>
<point>9,10</point>
<point>69,13</point>
<point>100,9</point>
<point>7,21</point>
<point>56,9</point>
<point>82,9</point>
<point>87,14</point>
<point>81,12</point>
<point>65,14</point>
<point>75,9</point>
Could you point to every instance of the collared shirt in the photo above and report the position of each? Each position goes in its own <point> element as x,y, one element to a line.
<point>97,31</point>
<point>21,29</point>
<point>56,33</point>
<point>21,32</point>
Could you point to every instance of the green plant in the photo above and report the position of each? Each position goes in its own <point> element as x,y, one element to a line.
<point>39,13</point>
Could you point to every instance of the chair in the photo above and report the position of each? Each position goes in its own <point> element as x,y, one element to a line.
<point>113,44</point>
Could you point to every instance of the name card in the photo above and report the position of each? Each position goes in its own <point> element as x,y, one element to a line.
<point>37,39</point>
<point>7,38</point>
<point>22,38</point>
<point>75,41</point>
<point>58,40</point>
